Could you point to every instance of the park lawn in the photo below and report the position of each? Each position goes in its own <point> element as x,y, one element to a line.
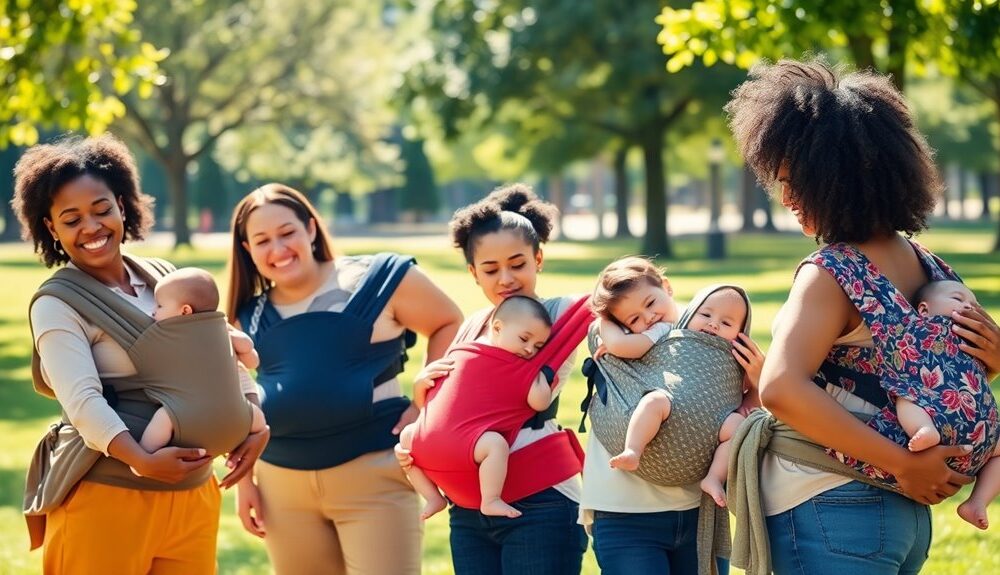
<point>762,263</point>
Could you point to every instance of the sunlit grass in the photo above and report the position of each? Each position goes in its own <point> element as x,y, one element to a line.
<point>762,263</point>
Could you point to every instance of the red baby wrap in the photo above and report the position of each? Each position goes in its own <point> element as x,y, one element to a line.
<point>488,391</point>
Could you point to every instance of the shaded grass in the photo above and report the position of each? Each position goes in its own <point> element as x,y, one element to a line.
<point>762,263</point>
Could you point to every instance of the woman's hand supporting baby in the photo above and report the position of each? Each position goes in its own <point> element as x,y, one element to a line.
<point>982,337</point>
<point>750,357</point>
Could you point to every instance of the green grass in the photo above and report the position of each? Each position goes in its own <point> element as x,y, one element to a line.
<point>761,263</point>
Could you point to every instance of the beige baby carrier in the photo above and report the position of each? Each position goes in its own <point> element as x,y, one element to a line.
<point>185,364</point>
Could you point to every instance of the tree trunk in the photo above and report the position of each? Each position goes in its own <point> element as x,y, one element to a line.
<point>11,227</point>
<point>557,195</point>
<point>748,190</point>
<point>597,181</point>
<point>178,186</point>
<point>996,244</point>
<point>621,192</point>
<point>985,186</point>
<point>768,210</point>
<point>656,241</point>
<point>898,38</point>
<point>962,192</point>
<point>945,173</point>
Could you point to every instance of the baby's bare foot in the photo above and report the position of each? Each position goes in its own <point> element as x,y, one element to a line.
<point>714,488</point>
<point>433,506</point>
<point>925,438</point>
<point>627,460</point>
<point>497,508</point>
<point>974,513</point>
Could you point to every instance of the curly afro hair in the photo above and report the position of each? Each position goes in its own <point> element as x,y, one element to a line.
<point>511,207</point>
<point>44,169</point>
<point>858,167</point>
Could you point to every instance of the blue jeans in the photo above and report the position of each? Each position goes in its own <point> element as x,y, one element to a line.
<point>661,543</point>
<point>854,528</point>
<point>544,540</point>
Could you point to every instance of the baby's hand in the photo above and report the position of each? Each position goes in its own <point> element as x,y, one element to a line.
<point>600,351</point>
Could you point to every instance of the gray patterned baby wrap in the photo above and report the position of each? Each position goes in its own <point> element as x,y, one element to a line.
<point>704,383</point>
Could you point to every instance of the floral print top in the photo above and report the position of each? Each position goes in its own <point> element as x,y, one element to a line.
<point>913,357</point>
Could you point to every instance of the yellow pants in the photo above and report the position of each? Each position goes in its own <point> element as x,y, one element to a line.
<point>104,530</point>
<point>358,518</point>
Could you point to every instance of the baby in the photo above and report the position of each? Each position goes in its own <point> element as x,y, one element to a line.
<point>933,299</point>
<point>638,313</point>
<point>521,326</point>
<point>184,292</point>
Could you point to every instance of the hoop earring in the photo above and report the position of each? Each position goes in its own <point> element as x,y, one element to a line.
<point>58,247</point>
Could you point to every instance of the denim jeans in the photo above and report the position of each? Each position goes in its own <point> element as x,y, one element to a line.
<point>661,543</point>
<point>544,540</point>
<point>854,528</point>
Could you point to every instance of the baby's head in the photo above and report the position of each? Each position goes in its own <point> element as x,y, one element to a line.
<point>634,293</point>
<point>185,291</point>
<point>520,325</point>
<point>943,297</point>
<point>723,313</point>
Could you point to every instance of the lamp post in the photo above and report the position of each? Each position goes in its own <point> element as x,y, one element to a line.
<point>716,239</point>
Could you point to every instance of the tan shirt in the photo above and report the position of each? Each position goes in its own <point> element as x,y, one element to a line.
<point>785,485</point>
<point>75,355</point>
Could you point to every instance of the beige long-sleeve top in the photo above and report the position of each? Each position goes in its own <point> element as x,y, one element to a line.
<point>75,355</point>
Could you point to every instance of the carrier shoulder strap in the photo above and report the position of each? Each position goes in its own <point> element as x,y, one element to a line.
<point>385,273</point>
<point>121,320</point>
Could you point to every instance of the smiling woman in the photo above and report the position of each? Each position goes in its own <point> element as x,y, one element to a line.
<point>78,201</point>
<point>332,334</point>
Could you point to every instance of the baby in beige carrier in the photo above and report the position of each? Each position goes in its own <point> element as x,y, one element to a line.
<point>180,293</point>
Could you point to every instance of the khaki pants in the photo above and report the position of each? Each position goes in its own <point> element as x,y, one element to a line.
<point>103,530</point>
<point>358,518</point>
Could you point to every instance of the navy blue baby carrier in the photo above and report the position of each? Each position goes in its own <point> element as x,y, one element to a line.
<point>318,371</point>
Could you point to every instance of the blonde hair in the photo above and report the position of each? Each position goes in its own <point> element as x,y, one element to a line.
<point>620,277</point>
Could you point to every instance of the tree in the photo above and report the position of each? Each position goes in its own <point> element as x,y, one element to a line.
<point>233,65</point>
<point>960,37</point>
<point>65,65</point>
<point>741,32</point>
<point>419,193</point>
<point>542,55</point>
<point>969,48</point>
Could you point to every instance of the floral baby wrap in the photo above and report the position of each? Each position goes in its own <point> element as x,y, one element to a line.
<point>914,357</point>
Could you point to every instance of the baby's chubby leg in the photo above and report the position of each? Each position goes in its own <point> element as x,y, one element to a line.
<point>257,421</point>
<point>157,434</point>
<point>714,483</point>
<point>987,487</point>
<point>491,453</point>
<point>917,424</point>
<point>649,415</point>
<point>424,486</point>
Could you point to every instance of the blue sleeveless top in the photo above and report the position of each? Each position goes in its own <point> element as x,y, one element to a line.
<point>318,370</point>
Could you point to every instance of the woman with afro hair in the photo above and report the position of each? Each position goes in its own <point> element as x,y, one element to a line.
<point>846,159</point>
<point>78,201</point>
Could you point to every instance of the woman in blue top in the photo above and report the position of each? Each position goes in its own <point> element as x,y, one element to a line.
<point>328,496</point>
<point>858,176</point>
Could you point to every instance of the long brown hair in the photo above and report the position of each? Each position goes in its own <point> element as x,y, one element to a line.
<point>245,280</point>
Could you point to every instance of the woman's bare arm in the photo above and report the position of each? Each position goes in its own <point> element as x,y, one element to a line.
<point>816,313</point>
